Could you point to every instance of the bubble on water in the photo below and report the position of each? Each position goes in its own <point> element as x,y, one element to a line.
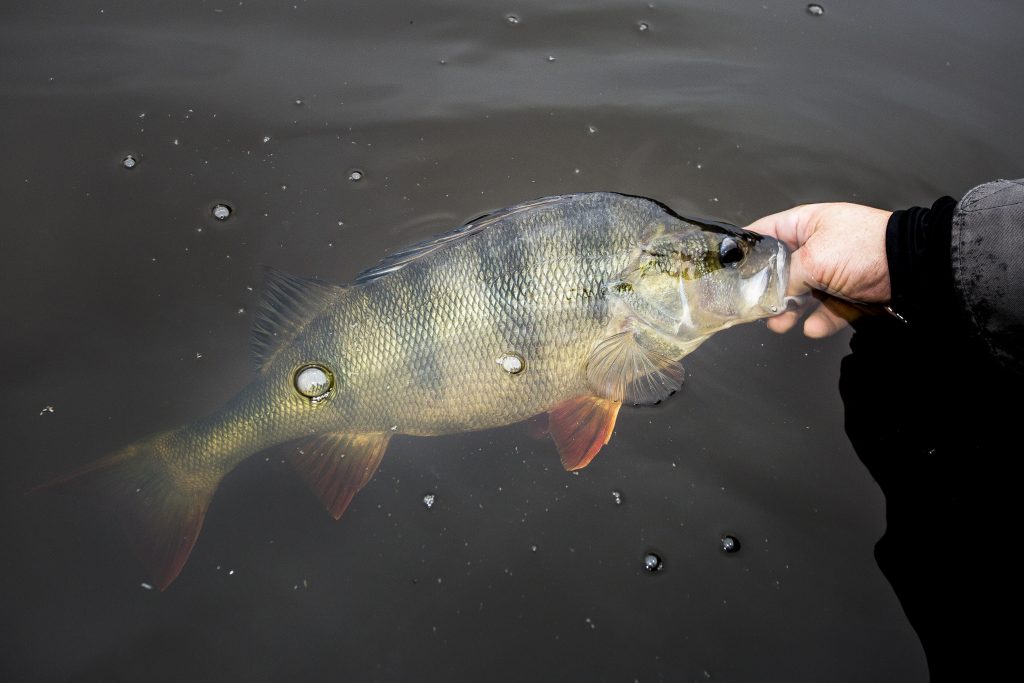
<point>428,500</point>
<point>442,61</point>
<point>240,310</point>
<point>129,161</point>
<point>653,563</point>
<point>512,363</point>
<point>643,27</point>
<point>221,212</point>
<point>298,102</point>
<point>592,129</point>
<point>730,544</point>
<point>46,409</point>
<point>533,548</point>
<point>146,586</point>
<point>617,497</point>
<point>815,10</point>
<point>355,175</point>
<point>511,19</point>
<point>266,139</point>
<point>551,58</point>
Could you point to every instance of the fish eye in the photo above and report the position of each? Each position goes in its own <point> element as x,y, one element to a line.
<point>730,251</point>
<point>314,381</point>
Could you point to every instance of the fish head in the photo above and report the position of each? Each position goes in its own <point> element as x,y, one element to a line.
<point>691,281</point>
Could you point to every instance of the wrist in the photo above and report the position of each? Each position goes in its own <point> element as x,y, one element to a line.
<point>917,248</point>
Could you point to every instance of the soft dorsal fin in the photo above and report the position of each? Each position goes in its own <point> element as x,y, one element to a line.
<point>337,465</point>
<point>622,369</point>
<point>288,304</point>
<point>405,256</point>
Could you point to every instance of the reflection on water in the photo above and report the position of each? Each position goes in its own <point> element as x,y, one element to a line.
<point>448,109</point>
<point>926,411</point>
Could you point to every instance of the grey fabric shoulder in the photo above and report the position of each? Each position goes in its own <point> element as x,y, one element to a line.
<point>988,265</point>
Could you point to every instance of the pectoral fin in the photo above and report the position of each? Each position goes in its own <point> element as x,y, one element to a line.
<point>620,368</point>
<point>580,427</point>
<point>336,466</point>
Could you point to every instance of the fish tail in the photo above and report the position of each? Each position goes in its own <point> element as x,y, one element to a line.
<point>160,503</point>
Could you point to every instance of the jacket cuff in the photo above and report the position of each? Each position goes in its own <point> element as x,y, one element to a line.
<point>917,248</point>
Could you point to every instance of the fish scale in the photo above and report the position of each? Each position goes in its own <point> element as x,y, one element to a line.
<point>599,295</point>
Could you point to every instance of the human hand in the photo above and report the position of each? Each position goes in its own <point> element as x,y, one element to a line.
<point>839,250</point>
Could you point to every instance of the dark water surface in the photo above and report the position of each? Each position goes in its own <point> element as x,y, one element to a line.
<point>127,307</point>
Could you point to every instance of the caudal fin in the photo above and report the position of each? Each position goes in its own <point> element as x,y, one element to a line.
<point>162,511</point>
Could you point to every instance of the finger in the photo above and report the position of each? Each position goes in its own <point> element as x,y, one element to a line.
<point>790,226</point>
<point>784,322</point>
<point>825,322</point>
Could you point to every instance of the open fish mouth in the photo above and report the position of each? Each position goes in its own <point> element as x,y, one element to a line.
<point>778,305</point>
<point>764,292</point>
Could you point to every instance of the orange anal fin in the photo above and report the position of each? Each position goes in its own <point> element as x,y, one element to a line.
<point>161,513</point>
<point>336,466</point>
<point>580,427</point>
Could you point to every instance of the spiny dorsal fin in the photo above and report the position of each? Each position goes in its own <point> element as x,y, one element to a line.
<point>337,465</point>
<point>622,369</point>
<point>288,304</point>
<point>405,256</point>
<point>580,427</point>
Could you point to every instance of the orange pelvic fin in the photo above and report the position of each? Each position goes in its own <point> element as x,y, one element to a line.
<point>336,466</point>
<point>162,512</point>
<point>580,427</point>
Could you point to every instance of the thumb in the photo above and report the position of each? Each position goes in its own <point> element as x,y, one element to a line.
<point>800,280</point>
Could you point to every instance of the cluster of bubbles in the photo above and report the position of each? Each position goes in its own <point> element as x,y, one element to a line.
<point>428,500</point>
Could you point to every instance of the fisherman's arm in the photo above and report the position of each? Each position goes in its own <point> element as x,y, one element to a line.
<point>956,263</point>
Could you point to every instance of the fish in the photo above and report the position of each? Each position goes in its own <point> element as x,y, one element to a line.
<point>568,306</point>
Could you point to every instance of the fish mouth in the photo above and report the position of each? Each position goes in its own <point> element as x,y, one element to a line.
<point>780,300</point>
<point>770,284</point>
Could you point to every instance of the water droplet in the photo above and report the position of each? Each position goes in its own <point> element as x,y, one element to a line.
<point>512,363</point>
<point>442,61</point>
<point>428,500</point>
<point>512,19</point>
<point>592,129</point>
<point>221,212</point>
<point>643,27</point>
<point>355,175</point>
<point>730,544</point>
<point>617,497</point>
<point>241,310</point>
<point>533,548</point>
<point>815,10</point>
<point>129,161</point>
<point>653,563</point>
<point>314,382</point>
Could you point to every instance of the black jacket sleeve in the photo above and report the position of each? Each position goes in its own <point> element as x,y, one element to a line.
<point>961,264</point>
